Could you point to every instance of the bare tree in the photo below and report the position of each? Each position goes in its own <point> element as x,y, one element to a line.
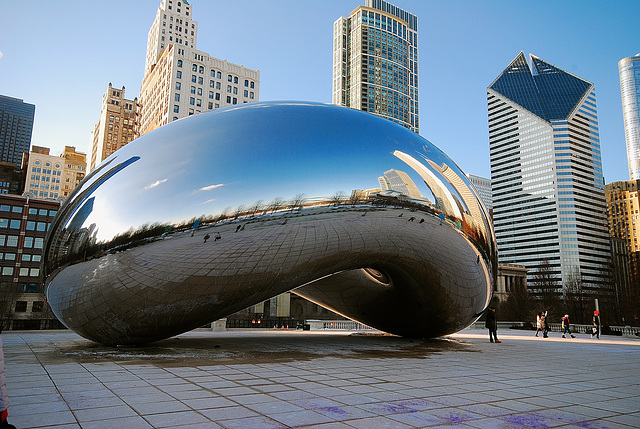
<point>239,212</point>
<point>546,286</point>
<point>296,202</point>
<point>255,208</point>
<point>276,204</point>
<point>357,195</point>
<point>575,300</point>
<point>337,198</point>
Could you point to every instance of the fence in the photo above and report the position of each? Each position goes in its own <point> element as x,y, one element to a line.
<point>337,325</point>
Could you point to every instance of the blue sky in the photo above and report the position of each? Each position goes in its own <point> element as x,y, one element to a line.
<point>61,55</point>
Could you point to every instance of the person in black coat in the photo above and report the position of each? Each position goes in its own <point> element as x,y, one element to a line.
<point>491,324</point>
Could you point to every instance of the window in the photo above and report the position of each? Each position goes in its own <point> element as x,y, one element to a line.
<point>28,242</point>
<point>3,239</point>
<point>41,226</point>
<point>200,80</point>
<point>218,96</point>
<point>251,95</point>
<point>4,223</point>
<point>34,272</point>
<point>213,73</point>
<point>211,84</point>
<point>246,93</point>
<point>192,101</point>
<point>38,243</point>
<point>228,99</point>
<point>199,102</point>
<point>176,108</point>
<point>177,97</point>
<point>42,212</point>
<point>179,63</point>
<point>219,75</point>
<point>178,85</point>
<point>235,90</point>
<point>246,82</point>
<point>21,306</point>
<point>235,79</point>
<point>193,78</point>
<point>193,89</point>
<point>12,241</point>
<point>251,85</point>
<point>230,78</point>
<point>228,88</point>
<point>4,208</point>
<point>194,67</point>
<point>201,69</point>
<point>7,271</point>
<point>199,91</point>
<point>14,224</point>
<point>178,74</point>
<point>210,106</point>
<point>37,306</point>
<point>210,94</point>
<point>235,100</point>
<point>24,272</point>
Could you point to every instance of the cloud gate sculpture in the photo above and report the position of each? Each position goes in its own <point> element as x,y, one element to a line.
<point>217,212</point>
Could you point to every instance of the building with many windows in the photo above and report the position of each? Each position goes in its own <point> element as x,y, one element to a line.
<point>53,177</point>
<point>375,62</point>
<point>623,206</point>
<point>116,127</point>
<point>181,80</point>
<point>546,174</point>
<point>629,69</point>
<point>483,186</point>
<point>16,126</point>
<point>24,222</point>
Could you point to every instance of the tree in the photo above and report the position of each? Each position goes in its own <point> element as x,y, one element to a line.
<point>574,297</point>
<point>545,286</point>
<point>337,198</point>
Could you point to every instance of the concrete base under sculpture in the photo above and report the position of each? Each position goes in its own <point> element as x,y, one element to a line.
<point>214,213</point>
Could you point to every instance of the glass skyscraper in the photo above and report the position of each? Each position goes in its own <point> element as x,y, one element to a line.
<point>546,174</point>
<point>375,62</point>
<point>630,90</point>
<point>16,126</point>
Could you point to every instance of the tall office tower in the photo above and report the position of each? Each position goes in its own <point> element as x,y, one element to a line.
<point>16,125</point>
<point>623,204</point>
<point>116,126</point>
<point>53,177</point>
<point>180,80</point>
<point>375,62</point>
<point>546,176</point>
<point>629,69</point>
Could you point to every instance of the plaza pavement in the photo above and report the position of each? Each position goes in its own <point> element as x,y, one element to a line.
<point>281,379</point>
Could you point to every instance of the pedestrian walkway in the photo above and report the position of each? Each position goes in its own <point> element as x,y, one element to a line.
<point>281,379</point>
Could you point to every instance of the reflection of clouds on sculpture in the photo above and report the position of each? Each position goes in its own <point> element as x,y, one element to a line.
<point>313,191</point>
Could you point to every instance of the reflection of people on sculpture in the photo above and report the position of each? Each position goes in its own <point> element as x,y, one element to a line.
<point>238,227</point>
<point>218,237</point>
<point>412,218</point>
<point>206,237</point>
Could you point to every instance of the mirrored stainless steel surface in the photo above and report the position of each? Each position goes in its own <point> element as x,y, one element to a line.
<point>216,212</point>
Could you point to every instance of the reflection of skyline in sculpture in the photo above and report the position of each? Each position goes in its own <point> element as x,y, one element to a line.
<point>470,199</point>
<point>444,198</point>
<point>138,270</point>
<point>399,181</point>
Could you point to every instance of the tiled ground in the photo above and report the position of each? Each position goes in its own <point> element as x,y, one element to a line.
<point>279,379</point>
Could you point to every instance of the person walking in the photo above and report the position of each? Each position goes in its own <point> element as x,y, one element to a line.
<point>596,325</point>
<point>566,327</point>
<point>491,323</point>
<point>538,323</point>
<point>544,324</point>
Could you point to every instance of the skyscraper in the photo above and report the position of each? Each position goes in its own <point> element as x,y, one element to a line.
<point>629,69</point>
<point>180,80</point>
<point>116,127</point>
<point>546,174</point>
<point>16,125</point>
<point>375,62</point>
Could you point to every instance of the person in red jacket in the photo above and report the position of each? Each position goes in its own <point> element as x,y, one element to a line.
<point>566,327</point>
